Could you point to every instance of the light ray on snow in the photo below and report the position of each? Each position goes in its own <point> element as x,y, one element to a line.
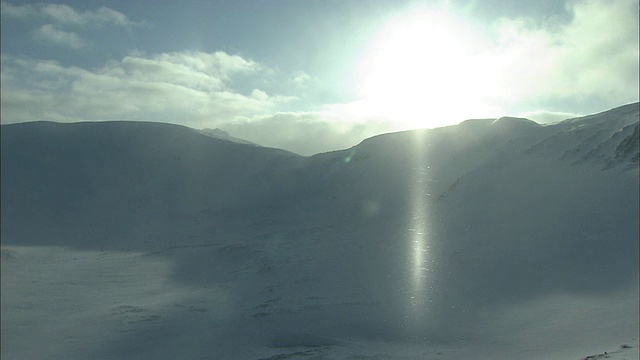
<point>419,246</point>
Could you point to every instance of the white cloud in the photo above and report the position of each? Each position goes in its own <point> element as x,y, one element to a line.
<point>191,88</point>
<point>66,15</point>
<point>591,59</point>
<point>50,34</point>
<point>218,64</point>
<point>259,94</point>
<point>301,79</point>
<point>17,11</point>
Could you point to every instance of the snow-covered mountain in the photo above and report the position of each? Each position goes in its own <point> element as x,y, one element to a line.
<point>221,134</point>
<point>494,238</point>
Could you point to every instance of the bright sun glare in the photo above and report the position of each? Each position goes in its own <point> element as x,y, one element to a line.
<point>420,68</point>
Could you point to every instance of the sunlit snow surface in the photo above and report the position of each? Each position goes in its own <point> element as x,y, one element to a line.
<point>490,239</point>
<point>59,303</point>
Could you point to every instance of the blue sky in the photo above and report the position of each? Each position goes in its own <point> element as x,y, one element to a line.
<point>312,76</point>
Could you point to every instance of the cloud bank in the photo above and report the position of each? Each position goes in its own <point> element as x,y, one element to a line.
<point>591,59</point>
<point>305,133</point>
<point>192,88</point>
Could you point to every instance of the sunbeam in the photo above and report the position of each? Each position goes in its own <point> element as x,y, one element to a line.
<point>419,247</point>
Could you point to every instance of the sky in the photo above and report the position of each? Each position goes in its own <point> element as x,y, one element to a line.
<point>316,75</point>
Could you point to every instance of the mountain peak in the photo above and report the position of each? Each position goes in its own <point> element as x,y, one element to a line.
<point>514,121</point>
<point>223,135</point>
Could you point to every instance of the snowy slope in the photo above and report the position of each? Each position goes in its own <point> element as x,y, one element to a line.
<point>122,184</point>
<point>490,239</point>
<point>223,135</point>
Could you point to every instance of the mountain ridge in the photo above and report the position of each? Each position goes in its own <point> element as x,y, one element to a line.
<point>417,238</point>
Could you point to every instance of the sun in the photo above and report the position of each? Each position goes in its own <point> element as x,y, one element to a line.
<point>420,68</point>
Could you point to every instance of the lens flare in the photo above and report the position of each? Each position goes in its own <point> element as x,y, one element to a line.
<point>420,256</point>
